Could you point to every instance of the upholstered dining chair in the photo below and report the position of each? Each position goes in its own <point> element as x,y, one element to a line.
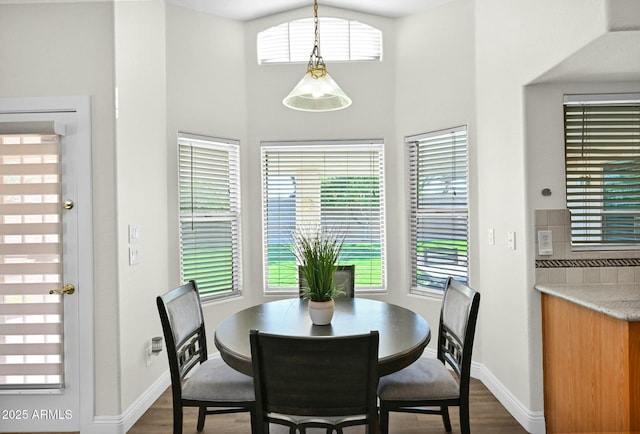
<point>427,386</point>
<point>344,279</point>
<point>315,382</point>
<point>213,386</point>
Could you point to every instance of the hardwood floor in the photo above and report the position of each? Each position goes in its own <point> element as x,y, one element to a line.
<point>488,416</point>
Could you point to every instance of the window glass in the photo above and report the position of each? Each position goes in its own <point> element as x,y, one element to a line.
<point>602,161</point>
<point>334,186</point>
<point>341,40</point>
<point>209,189</point>
<point>439,208</point>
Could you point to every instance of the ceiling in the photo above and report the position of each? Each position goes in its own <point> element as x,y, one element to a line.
<point>245,10</point>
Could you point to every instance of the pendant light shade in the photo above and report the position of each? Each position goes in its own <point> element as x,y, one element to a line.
<point>317,91</point>
<point>317,94</point>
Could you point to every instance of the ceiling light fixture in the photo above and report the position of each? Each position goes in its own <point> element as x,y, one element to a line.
<point>316,92</point>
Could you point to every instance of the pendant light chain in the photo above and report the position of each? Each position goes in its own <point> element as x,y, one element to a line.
<point>316,91</point>
<point>316,66</point>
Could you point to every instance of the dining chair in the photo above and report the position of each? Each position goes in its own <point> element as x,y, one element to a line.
<point>212,385</point>
<point>428,386</point>
<point>315,382</point>
<point>344,279</point>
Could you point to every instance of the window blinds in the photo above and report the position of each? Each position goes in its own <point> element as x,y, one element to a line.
<point>210,214</point>
<point>439,208</point>
<point>602,161</point>
<point>335,186</point>
<point>341,40</point>
<point>31,320</point>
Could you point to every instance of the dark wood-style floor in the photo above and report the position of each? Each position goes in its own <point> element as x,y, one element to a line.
<point>488,416</point>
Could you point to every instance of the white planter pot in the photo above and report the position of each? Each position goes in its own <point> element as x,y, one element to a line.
<point>321,312</point>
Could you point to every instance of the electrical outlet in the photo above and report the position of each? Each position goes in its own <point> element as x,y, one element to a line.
<point>545,243</point>
<point>511,239</point>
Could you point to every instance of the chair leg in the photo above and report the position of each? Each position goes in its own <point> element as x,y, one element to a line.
<point>384,419</point>
<point>445,418</point>
<point>255,427</point>
<point>464,419</point>
<point>177,419</point>
<point>202,413</point>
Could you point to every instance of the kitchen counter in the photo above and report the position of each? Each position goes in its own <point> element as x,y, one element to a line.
<point>591,357</point>
<point>620,301</point>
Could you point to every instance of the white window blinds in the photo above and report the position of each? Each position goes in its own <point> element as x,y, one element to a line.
<point>439,209</point>
<point>342,40</point>
<point>338,186</point>
<point>210,213</point>
<point>31,320</point>
<point>602,160</point>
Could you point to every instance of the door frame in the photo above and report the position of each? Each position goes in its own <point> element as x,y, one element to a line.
<point>82,106</point>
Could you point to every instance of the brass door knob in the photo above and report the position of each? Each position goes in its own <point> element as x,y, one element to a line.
<point>67,289</point>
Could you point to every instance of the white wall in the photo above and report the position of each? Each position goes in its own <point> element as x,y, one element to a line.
<point>141,161</point>
<point>515,43</point>
<point>67,50</point>
<point>465,62</point>
<point>371,87</point>
<point>206,93</point>
<point>435,90</point>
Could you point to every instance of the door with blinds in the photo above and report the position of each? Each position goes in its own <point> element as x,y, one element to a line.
<point>39,290</point>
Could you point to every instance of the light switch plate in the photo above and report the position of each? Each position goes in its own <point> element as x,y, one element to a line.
<point>545,243</point>
<point>134,233</point>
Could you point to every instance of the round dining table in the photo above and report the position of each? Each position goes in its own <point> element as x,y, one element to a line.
<point>403,333</point>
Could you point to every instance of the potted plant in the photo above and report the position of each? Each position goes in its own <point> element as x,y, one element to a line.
<point>317,251</point>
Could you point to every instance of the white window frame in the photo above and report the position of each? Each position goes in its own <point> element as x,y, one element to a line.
<point>342,40</point>
<point>229,265</point>
<point>305,201</point>
<point>445,210</point>
<point>602,132</point>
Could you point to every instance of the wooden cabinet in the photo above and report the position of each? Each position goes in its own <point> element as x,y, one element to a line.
<point>591,370</point>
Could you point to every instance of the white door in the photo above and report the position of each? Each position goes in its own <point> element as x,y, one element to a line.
<point>40,271</point>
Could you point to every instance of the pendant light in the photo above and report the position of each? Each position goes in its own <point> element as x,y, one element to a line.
<point>316,92</point>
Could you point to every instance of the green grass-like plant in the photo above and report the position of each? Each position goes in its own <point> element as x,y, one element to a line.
<point>317,251</point>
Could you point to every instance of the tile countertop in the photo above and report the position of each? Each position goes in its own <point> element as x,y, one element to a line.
<point>621,301</point>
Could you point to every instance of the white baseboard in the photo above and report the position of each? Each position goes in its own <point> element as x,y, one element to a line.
<point>123,423</point>
<point>531,421</point>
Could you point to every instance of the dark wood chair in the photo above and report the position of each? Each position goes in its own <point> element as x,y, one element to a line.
<point>213,386</point>
<point>344,279</point>
<point>315,382</point>
<point>427,386</point>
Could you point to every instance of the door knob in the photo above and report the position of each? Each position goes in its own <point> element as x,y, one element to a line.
<point>67,289</point>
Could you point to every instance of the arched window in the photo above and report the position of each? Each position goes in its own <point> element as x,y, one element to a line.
<point>341,40</point>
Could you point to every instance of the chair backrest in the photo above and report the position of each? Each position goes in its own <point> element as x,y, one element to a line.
<point>315,376</point>
<point>457,328</point>
<point>344,279</point>
<point>184,332</point>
